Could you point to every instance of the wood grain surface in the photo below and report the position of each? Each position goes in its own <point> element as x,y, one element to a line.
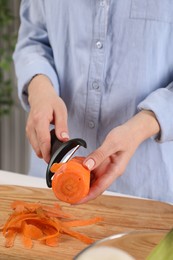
<point>120,214</point>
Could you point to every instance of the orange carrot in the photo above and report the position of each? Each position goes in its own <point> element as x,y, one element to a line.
<point>34,221</point>
<point>71,181</point>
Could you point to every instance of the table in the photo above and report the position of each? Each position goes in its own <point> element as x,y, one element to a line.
<point>12,178</point>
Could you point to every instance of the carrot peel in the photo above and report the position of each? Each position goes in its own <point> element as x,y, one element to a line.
<point>32,221</point>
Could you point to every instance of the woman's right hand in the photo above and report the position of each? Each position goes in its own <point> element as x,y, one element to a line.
<point>46,107</point>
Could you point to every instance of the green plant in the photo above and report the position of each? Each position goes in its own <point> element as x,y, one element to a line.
<point>7,43</point>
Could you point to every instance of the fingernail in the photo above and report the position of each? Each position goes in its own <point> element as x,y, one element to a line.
<point>64,135</point>
<point>90,164</point>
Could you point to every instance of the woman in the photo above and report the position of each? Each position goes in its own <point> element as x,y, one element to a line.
<point>102,71</point>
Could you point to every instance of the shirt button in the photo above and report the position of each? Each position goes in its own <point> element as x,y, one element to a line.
<point>99,44</point>
<point>91,124</point>
<point>102,3</point>
<point>95,85</point>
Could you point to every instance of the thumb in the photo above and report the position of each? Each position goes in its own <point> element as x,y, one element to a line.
<point>94,159</point>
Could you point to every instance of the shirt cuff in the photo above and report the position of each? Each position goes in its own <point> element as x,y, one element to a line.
<point>160,102</point>
<point>27,73</point>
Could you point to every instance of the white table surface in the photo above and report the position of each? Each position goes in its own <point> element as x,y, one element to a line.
<point>12,178</point>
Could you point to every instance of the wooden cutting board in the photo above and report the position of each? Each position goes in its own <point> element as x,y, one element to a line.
<point>120,214</point>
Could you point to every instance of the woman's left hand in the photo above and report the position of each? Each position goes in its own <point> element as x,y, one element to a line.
<point>110,160</point>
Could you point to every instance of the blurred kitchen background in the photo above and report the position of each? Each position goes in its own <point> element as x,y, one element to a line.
<point>14,147</point>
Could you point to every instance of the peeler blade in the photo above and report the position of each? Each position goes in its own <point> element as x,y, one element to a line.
<point>61,152</point>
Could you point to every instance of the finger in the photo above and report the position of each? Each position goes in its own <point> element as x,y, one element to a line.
<point>97,188</point>
<point>61,127</point>
<point>99,171</point>
<point>41,121</point>
<point>32,137</point>
<point>43,138</point>
<point>101,183</point>
<point>99,155</point>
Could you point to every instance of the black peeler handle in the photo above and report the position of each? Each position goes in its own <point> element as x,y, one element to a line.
<point>58,151</point>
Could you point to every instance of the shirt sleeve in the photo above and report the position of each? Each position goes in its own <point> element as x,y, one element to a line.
<point>33,54</point>
<point>161,103</point>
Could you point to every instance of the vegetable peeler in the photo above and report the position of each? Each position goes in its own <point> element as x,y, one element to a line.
<point>61,151</point>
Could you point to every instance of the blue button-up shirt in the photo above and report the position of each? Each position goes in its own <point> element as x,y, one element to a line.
<point>107,59</point>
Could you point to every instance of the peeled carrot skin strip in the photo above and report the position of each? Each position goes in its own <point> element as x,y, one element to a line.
<point>55,167</point>
<point>79,223</point>
<point>17,220</point>
<point>31,207</point>
<point>53,242</point>
<point>51,228</point>
<point>56,212</point>
<point>27,242</point>
<point>78,235</point>
<point>31,231</point>
<point>10,237</point>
